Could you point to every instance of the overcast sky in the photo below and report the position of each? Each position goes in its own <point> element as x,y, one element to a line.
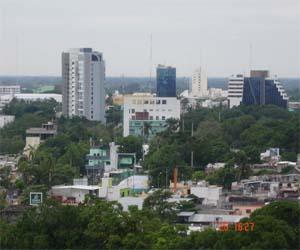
<point>185,33</point>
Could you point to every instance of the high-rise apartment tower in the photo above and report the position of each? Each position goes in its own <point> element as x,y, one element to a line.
<point>199,83</point>
<point>83,73</point>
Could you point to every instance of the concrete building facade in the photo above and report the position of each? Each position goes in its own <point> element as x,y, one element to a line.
<point>235,90</point>
<point>199,83</point>
<point>10,89</point>
<point>143,110</point>
<point>83,73</point>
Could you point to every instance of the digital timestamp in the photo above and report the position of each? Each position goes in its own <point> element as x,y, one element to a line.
<point>238,227</point>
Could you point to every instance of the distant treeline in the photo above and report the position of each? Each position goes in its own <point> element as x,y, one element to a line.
<point>130,84</point>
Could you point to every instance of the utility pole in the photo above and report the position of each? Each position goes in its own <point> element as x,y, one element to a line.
<point>166,177</point>
<point>192,159</point>
<point>192,129</point>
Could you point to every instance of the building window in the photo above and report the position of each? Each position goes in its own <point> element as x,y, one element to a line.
<point>151,117</point>
<point>164,101</point>
<point>132,111</point>
<point>248,211</point>
<point>146,102</point>
<point>151,101</point>
<point>163,118</point>
<point>157,101</point>
<point>157,117</point>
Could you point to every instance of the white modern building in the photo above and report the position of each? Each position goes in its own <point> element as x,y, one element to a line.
<point>6,119</point>
<point>235,90</point>
<point>10,89</point>
<point>83,73</point>
<point>199,83</point>
<point>30,97</point>
<point>144,108</point>
<point>216,93</point>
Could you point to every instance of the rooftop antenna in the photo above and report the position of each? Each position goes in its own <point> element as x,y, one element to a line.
<point>122,83</point>
<point>150,59</point>
<point>250,57</point>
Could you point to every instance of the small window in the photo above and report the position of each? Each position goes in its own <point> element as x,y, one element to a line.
<point>151,117</point>
<point>248,211</point>
<point>146,102</point>
<point>132,111</point>
<point>151,101</point>
<point>164,101</point>
<point>163,118</point>
<point>157,117</point>
<point>157,101</point>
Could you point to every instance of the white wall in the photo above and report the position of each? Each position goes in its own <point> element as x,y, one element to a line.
<point>148,103</point>
<point>211,195</point>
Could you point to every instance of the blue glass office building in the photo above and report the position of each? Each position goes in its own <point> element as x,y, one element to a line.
<point>259,89</point>
<point>165,81</point>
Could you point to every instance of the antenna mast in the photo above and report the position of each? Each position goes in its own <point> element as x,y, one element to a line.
<point>150,59</point>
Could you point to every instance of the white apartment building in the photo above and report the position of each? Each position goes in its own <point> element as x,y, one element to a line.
<point>235,90</point>
<point>83,73</point>
<point>199,83</point>
<point>145,107</point>
<point>10,89</point>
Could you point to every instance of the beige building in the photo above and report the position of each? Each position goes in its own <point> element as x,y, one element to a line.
<point>35,136</point>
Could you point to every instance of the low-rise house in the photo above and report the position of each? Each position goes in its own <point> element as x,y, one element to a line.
<point>210,194</point>
<point>207,220</point>
<point>36,136</point>
<point>211,167</point>
<point>76,193</point>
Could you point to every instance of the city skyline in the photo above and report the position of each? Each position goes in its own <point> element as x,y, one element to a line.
<point>224,37</point>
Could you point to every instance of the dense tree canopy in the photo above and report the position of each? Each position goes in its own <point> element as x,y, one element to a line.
<point>234,136</point>
<point>104,225</point>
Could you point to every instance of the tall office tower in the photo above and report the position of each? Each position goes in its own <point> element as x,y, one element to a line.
<point>83,73</point>
<point>165,81</point>
<point>235,90</point>
<point>261,89</point>
<point>199,83</point>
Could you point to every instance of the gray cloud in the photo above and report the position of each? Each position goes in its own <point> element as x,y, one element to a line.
<point>215,33</point>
